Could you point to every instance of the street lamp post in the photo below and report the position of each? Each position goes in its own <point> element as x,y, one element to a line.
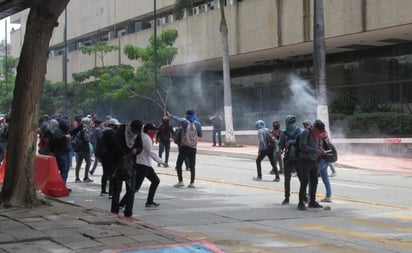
<point>155,43</point>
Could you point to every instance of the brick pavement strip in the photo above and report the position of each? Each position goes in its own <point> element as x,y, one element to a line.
<point>63,227</point>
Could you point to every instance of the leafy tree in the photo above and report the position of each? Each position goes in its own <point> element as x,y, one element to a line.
<point>18,187</point>
<point>100,50</point>
<point>144,84</point>
<point>227,90</point>
<point>115,83</point>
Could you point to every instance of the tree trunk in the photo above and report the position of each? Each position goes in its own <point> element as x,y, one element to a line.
<point>319,62</point>
<point>18,188</point>
<point>227,89</point>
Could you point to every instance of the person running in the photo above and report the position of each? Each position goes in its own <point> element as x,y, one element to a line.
<point>144,167</point>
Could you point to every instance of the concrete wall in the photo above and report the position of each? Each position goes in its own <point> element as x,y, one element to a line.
<point>252,26</point>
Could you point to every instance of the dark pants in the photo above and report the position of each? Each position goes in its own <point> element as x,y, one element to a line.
<point>128,198</point>
<point>190,153</point>
<point>143,172</point>
<point>164,146</point>
<point>108,164</point>
<point>262,154</point>
<point>289,167</point>
<point>79,159</point>
<point>217,132</point>
<point>308,173</point>
<point>63,164</point>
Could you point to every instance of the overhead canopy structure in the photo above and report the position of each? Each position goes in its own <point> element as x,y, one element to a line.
<point>10,7</point>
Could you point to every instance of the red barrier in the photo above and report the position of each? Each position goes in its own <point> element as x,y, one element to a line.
<point>3,167</point>
<point>47,177</point>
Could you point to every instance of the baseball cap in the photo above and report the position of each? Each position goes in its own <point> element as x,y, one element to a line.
<point>149,126</point>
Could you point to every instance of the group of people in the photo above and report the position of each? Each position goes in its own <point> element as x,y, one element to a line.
<point>112,143</point>
<point>304,150</point>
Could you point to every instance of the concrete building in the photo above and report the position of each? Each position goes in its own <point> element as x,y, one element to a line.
<point>368,50</point>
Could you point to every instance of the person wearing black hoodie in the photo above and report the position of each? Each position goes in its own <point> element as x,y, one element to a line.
<point>128,142</point>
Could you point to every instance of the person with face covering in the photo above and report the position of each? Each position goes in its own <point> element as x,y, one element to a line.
<point>264,150</point>
<point>59,145</point>
<point>310,152</point>
<point>287,144</point>
<point>191,131</point>
<point>128,142</point>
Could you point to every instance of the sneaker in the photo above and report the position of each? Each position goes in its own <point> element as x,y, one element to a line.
<point>326,199</point>
<point>87,180</point>
<point>78,180</point>
<point>314,204</point>
<point>191,185</point>
<point>152,204</point>
<point>301,206</point>
<point>276,179</point>
<point>285,201</point>
<point>257,178</point>
<point>333,174</point>
<point>179,185</point>
<point>103,193</point>
<point>272,172</point>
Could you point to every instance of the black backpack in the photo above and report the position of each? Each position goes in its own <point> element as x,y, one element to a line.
<point>331,151</point>
<point>293,151</point>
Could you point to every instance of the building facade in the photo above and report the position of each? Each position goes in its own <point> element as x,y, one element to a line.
<point>368,52</point>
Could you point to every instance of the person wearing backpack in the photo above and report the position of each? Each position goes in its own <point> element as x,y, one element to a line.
<point>288,145</point>
<point>310,153</point>
<point>191,131</point>
<point>80,144</point>
<point>266,148</point>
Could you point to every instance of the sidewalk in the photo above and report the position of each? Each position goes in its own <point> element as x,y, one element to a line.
<point>346,160</point>
<point>63,227</point>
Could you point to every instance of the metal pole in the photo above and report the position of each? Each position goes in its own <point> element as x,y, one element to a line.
<point>155,43</point>
<point>65,61</point>
<point>5,55</point>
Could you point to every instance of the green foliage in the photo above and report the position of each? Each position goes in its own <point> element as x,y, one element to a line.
<point>100,49</point>
<point>179,7</point>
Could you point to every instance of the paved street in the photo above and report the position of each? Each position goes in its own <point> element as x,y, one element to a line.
<point>371,209</point>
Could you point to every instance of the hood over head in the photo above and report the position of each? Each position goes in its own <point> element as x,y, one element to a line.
<point>260,124</point>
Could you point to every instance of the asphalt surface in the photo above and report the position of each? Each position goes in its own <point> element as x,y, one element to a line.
<point>219,208</point>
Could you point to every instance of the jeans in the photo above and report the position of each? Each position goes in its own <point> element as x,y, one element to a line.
<point>62,164</point>
<point>323,165</point>
<point>190,153</point>
<point>262,154</point>
<point>308,173</point>
<point>289,167</point>
<point>79,159</point>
